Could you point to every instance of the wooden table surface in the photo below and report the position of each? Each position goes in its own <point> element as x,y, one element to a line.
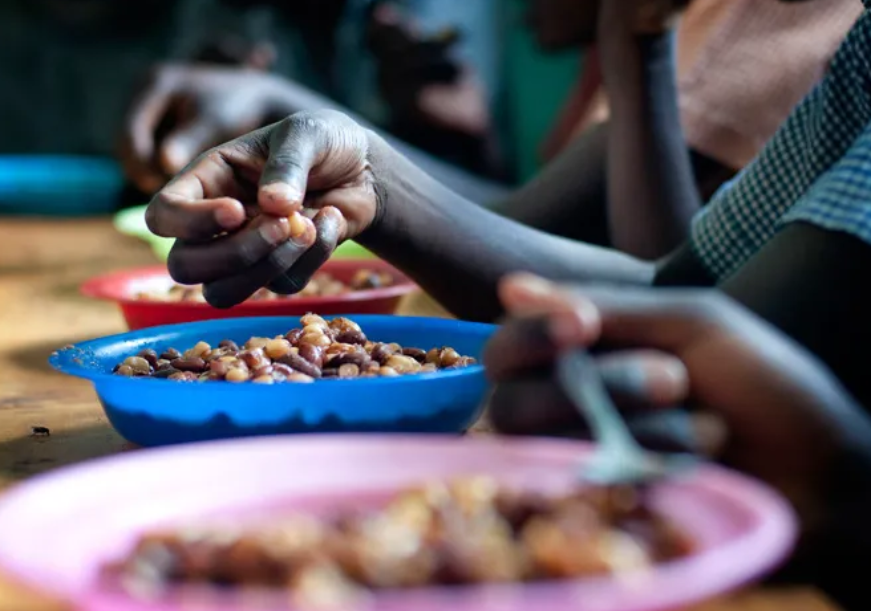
<point>42,264</point>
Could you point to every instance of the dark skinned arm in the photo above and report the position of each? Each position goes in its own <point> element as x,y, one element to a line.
<point>289,98</point>
<point>569,197</point>
<point>652,193</point>
<point>807,282</point>
<point>656,183</point>
<point>355,186</point>
<point>423,222</point>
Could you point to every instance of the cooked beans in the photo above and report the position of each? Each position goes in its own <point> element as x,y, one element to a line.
<point>318,349</point>
<point>470,531</point>
<point>321,285</point>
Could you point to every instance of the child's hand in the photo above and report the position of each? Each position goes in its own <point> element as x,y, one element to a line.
<point>185,109</point>
<point>787,420</point>
<point>313,163</point>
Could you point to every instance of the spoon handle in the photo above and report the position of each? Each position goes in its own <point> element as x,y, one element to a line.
<point>580,379</point>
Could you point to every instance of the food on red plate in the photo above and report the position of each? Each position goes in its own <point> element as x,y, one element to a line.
<point>468,531</point>
<point>317,349</point>
<point>322,284</point>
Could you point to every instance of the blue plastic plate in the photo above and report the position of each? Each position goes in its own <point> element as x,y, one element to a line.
<point>59,185</point>
<point>153,412</point>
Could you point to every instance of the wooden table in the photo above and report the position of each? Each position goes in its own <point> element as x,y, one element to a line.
<point>42,264</point>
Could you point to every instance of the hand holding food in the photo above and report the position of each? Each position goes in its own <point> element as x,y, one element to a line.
<point>268,208</point>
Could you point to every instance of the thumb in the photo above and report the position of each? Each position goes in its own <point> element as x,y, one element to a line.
<point>183,145</point>
<point>293,148</point>
<point>572,321</point>
<point>658,318</point>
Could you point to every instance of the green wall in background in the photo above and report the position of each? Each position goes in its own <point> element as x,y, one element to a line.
<point>535,86</point>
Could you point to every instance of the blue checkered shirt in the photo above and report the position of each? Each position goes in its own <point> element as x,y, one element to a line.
<point>816,169</point>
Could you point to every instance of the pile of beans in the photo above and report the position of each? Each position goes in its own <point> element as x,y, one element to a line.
<point>468,531</point>
<point>319,349</point>
<point>321,285</point>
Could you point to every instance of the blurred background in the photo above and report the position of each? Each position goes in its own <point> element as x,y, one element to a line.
<point>102,101</point>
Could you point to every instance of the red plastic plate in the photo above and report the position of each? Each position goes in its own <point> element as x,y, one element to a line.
<point>121,287</point>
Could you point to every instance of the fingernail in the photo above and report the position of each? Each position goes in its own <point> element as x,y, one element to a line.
<point>227,217</point>
<point>280,193</point>
<point>332,218</point>
<point>533,285</point>
<point>274,231</point>
<point>578,326</point>
<point>671,380</point>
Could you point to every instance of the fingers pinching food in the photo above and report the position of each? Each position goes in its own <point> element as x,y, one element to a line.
<point>267,209</point>
<point>330,228</point>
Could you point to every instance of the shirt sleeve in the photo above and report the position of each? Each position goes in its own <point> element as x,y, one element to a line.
<point>811,170</point>
<point>841,199</point>
<point>744,214</point>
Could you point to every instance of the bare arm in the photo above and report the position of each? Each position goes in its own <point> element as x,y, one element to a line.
<point>569,196</point>
<point>652,192</point>
<point>804,281</point>
<point>458,251</point>
<point>291,97</point>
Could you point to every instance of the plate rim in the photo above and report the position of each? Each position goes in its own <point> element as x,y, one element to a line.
<point>777,521</point>
<point>63,359</point>
<point>97,287</point>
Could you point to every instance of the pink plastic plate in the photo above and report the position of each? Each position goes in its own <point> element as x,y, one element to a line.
<point>57,530</point>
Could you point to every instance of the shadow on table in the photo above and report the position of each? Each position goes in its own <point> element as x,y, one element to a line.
<point>35,356</point>
<point>29,455</point>
<point>69,291</point>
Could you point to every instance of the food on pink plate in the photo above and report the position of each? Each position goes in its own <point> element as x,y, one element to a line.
<point>462,532</point>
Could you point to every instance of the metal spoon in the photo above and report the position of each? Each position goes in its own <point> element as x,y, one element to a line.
<point>619,458</point>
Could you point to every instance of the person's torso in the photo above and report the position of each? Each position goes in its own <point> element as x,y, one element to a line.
<point>743,65</point>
